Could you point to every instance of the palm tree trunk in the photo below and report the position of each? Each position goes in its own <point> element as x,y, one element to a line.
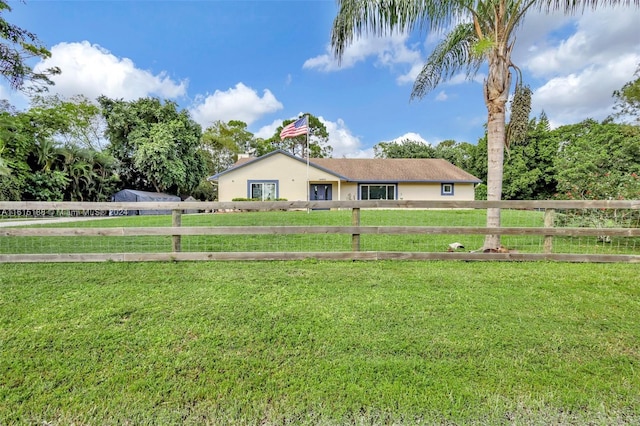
<point>496,93</point>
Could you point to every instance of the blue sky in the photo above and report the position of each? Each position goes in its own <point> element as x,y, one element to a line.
<point>266,61</point>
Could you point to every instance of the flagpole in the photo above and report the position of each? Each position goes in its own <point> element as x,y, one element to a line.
<point>308,154</point>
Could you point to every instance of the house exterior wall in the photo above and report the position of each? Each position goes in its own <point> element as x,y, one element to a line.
<point>289,174</point>
<point>349,191</point>
<point>433,191</point>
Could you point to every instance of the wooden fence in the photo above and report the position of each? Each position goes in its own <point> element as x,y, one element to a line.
<point>14,224</point>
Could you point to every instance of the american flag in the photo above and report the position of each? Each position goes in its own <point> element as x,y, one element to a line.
<point>297,128</point>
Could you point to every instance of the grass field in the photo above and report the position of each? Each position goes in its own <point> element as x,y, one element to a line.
<point>321,343</point>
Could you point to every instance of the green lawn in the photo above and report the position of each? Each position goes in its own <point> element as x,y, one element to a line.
<point>319,343</point>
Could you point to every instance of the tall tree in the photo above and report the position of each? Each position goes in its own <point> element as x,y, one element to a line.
<point>43,163</point>
<point>318,140</point>
<point>8,124</point>
<point>17,47</point>
<point>405,148</point>
<point>598,160</point>
<point>157,146</point>
<point>77,121</point>
<point>479,31</point>
<point>628,100</point>
<point>223,142</point>
<point>30,155</point>
<point>4,168</point>
<point>529,172</point>
<point>460,154</point>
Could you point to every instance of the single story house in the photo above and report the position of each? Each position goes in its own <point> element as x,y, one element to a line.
<point>280,174</point>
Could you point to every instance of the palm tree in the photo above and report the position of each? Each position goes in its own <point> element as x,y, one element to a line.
<point>78,167</point>
<point>479,32</point>
<point>46,154</point>
<point>4,167</point>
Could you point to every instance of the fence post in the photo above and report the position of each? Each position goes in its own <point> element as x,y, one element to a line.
<point>355,221</point>
<point>549,216</point>
<point>176,222</point>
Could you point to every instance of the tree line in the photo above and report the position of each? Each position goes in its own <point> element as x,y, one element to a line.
<point>79,150</point>
<point>589,160</point>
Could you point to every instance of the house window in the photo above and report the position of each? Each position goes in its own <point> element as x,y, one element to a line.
<point>446,189</point>
<point>378,192</point>
<point>263,190</point>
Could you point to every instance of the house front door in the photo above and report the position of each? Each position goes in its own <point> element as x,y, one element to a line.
<point>320,192</point>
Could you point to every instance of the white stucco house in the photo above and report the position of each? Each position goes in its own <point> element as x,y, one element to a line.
<point>281,175</point>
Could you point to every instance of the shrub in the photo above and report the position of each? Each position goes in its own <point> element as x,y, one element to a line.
<point>257,199</point>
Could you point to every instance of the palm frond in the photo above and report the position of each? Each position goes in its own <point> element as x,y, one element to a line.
<point>384,17</point>
<point>573,6</point>
<point>517,9</point>
<point>451,55</point>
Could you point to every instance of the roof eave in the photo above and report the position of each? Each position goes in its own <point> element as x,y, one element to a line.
<point>253,160</point>
<point>415,181</point>
<point>278,151</point>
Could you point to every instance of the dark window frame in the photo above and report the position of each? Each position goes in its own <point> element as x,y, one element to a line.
<point>389,189</point>
<point>263,182</point>
<point>446,192</point>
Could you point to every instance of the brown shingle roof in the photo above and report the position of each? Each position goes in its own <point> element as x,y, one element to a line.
<point>379,169</point>
<point>395,169</point>
<point>241,161</point>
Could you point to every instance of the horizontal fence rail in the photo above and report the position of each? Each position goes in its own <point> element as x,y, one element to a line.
<point>289,230</point>
<point>288,205</point>
<point>580,231</point>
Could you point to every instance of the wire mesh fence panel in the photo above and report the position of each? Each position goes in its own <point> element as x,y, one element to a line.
<point>266,243</point>
<point>79,244</point>
<point>269,242</point>
<point>596,245</point>
<point>597,218</point>
<point>593,228</point>
<point>456,240</point>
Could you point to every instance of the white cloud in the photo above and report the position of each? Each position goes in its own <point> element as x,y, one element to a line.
<point>587,94</point>
<point>360,153</point>
<point>265,132</point>
<point>536,34</point>
<point>411,136</point>
<point>91,70</point>
<point>394,52</point>
<point>459,78</point>
<point>597,37</point>
<point>237,103</point>
<point>4,92</point>
<point>16,99</point>
<point>581,63</point>
<point>410,76</point>
<point>343,142</point>
<point>442,96</point>
<point>388,51</point>
<point>462,78</point>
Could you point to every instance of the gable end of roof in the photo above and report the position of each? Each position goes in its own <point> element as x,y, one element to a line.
<point>247,161</point>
